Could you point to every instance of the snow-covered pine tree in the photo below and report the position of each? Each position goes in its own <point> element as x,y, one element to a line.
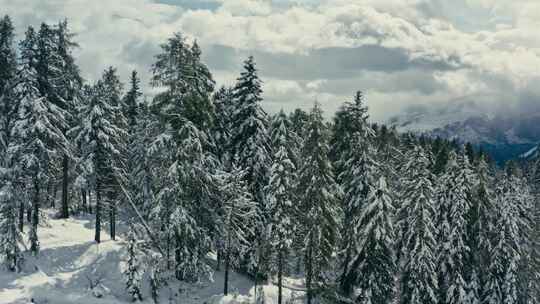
<point>281,196</point>
<point>136,142</point>
<point>481,220</point>
<point>416,219</point>
<point>197,188</point>
<point>221,131</point>
<point>523,201</point>
<point>188,191</point>
<point>166,199</point>
<point>146,160</point>
<point>319,205</point>
<point>239,219</point>
<point>134,268</point>
<point>441,155</point>
<point>131,100</point>
<point>350,120</point>
<point>100,139</point>
<point>187,82</point>
<point>11,189</point>
<point>251,144</point>
<point>359,173</point>
<point>250,141</point>
<point>10,235</point>
<point>66,85</point>
<point>535,234</point>
<point>299,119</point>
<point>506,251</point>
<point>40,124</point>
<point>112,92</point>
<point>454,203</point>
<point>8,82</point>
<point>375,260</point>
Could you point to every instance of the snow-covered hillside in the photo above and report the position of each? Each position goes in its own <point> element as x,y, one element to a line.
<point>70,262</point>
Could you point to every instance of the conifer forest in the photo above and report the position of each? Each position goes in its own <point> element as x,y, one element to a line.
<point>194,193</point>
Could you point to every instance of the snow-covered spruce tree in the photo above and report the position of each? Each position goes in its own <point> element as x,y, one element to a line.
<point>136,142</point>
<point>506,251</point>
<point>481,220</point>
<point>454,203</point>
<point>359,173</point>
<point>281,197</point>
<point>81,182</point>
<point>251,144</point>
<point>239,219</point>
<point>389,155</point>
<point>115,178</point>
<point>187,110</point>
<point>11,188</point>
<point>40,124</point>
<point>375,259</point>
<point>198,186</point>
<point>416,218</point>
<point>134,268</point>
<point>319,204</point>
<point>534,272</point>
<point>299,119</point>
<point>223,105</point>
<point>187,82</point>
<point>132,100</point>
<point>8,83</point>
<point>521,195</point>
<point>146,159</point>
<point>10,235</point>
<point>66,86</point>
<point>350,119</point>
<point>100,140</point>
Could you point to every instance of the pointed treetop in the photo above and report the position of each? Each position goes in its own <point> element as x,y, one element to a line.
<point>196,50</point>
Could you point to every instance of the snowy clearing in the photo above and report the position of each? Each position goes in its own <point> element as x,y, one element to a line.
<point>69,260</point>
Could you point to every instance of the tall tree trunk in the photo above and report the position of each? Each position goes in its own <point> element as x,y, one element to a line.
<point>298,262</point>
<point>84,202</point>
<point>227,265</point>
<point>309,270</point>
<point>168,241</point>
<point>21,216</point>
<point>34,245</point>
<point>65,172</point>
<point>112,215</point>
<point>344,284</point>
<point>280,276</point>
<point>55,190</point>
<point>177,253</point>
<point>219,257</point>
<point>89,200</point>
<point>146,193</point>
<point>50,200</point>
<point>29,214</point>
<point>98,215</point>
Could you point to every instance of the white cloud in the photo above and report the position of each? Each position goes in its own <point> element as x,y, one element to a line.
<point>508,51</point>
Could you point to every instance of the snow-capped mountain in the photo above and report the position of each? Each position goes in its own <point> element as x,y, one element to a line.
<point>504,134</point>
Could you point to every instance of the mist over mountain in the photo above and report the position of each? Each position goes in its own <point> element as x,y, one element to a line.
<point>505,131</point>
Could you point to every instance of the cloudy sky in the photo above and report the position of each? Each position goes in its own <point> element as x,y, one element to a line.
<point>400,52</point>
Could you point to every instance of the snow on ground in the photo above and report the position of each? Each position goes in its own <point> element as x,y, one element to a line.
<point>70,261</point>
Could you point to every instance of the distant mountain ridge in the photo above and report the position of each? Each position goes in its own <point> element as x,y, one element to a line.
<point>504,135</point>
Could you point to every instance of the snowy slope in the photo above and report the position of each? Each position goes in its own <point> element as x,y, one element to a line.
<point>69,260</point>
<point>61,272</point>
